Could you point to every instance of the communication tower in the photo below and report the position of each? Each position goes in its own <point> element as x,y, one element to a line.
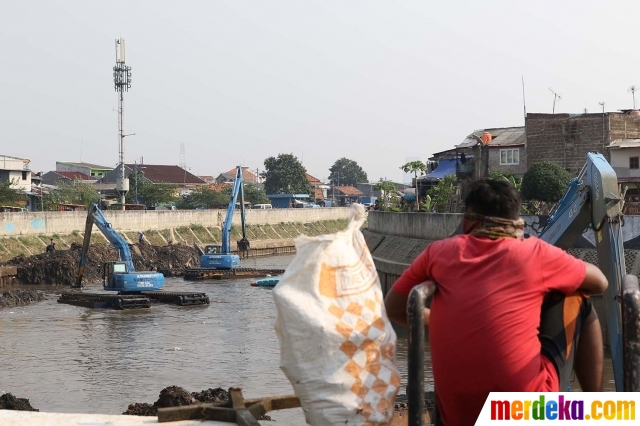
<point>122,82</point>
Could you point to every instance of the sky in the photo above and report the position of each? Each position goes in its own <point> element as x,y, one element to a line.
<point>239,81</point>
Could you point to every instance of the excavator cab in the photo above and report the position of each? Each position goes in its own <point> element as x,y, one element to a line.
<point>109,270</point>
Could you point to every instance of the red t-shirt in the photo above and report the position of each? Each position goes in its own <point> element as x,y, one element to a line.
<point>485,316</point>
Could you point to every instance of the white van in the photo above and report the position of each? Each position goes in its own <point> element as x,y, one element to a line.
<point>262,206</point>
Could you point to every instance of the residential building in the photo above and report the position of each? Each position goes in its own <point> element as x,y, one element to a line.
<point>16,170</point>
<point>565,139</point>
<point>247,175</point>
<point>55,177</point>
<point>369,194</point>
<point>207,179</point>
<point>154,173</point>
<point>88,169</point>
<point>346,195</point>
<point>320,188</point>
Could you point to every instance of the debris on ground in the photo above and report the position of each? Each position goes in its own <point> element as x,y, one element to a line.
<point>60,267</point>
<point>19,297</point>
<point>175,396</point>
<point>10,402</point>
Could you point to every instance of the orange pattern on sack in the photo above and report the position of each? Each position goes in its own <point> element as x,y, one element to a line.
<point>347,280</point>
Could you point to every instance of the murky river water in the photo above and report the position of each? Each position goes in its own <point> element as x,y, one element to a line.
<point>72,359</point>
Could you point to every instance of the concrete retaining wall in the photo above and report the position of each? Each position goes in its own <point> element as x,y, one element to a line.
<point>66,222</point>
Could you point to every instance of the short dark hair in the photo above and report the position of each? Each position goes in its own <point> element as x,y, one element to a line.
<point>493,197</point>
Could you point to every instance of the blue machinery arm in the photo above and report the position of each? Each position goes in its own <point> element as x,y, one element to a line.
<point>238,189</point>
<point>593,200</point>
<point>95,216</point>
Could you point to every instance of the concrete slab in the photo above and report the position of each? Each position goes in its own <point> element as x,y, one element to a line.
<point>30,418</point>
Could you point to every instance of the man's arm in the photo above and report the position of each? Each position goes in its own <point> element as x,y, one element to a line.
<point>396,306</point>
<point>594,281</point>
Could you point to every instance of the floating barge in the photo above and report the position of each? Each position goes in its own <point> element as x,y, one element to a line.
<point>133,301</point>
<point>228,274</point>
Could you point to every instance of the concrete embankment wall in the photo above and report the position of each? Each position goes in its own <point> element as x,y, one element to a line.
<point>65,222</point>
<point>396,239</point>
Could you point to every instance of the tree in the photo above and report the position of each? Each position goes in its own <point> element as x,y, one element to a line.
<point>508,176</point>
<point>254,195</point>
<point>442,192</point>
<point>285,175</point>
<point>73,192</point>
<point>414,167</point>
<point>347,172</point>
<point>150,193</point>
<point>205,196</point>
<point>10,194</point>
<point>545,181</point>
<point>388,195</point>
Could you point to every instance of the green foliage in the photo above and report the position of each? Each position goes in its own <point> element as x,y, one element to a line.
<point>414,167</point>
<point>10,195</point>
<point>426,206</point>
<point>254,195</point>
<point>442,192</point>
<point>149,193</point>
<point>206,197</point>
<point>545,181</point>
<point>389,197</point>
<point>508,176</point>
<point>73,192</point>
<point>347,172</point>
<point>286,175</point>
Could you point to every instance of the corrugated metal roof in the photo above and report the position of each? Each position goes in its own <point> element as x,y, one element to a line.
<point>500,136</point>
<point>625,143</point>
<point>91,166</point>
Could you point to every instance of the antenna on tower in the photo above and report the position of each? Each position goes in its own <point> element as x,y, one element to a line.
<point>524,101</point>
<point>556,97</point>
<point>183,161</point>
<point>633,89</point>
<point>602,105</point>
<point>122,82</point>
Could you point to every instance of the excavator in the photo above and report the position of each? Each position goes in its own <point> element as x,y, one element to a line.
<point>592,200</point>
<point>135,289</point>
<point>217,261</point>
<point>220,257</point>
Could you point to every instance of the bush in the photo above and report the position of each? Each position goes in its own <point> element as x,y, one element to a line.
<point>545,181</point>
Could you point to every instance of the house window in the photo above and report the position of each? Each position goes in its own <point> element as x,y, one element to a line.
<point>24,174</point>
<point>510,156</point>
<point>633,163</point>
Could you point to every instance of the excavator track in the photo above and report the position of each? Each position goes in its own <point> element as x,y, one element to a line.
<point>178,298</point>
<point>105,301</point>
<point>226,274</point>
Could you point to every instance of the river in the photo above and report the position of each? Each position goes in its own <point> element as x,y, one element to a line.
<point>71,359</point>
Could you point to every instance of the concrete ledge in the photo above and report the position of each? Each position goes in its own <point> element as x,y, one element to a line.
<point>30,418</point>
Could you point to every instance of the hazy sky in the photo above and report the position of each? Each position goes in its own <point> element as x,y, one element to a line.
<point>239,81</point>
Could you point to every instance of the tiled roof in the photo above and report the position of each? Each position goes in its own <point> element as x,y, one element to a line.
<point>350,191</point>
<point>81,164</point>
<point>75,176</point>
<point>207,178</point>
<point>500,136</point>
<point>247,174</point>
<point>217,187</point>
<point>313,180</point>
<point>167,174</point>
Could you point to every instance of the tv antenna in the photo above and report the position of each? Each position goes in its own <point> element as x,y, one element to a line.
<point>556,98</point>
<point>602,105</point>
<point>633,89</point>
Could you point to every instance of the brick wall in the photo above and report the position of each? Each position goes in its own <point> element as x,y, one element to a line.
<point>517,169</point>
<point>624,126</point>
<point>566,139</point>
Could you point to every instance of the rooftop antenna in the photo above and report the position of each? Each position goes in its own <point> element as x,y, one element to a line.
<point>183,161</point>
<point>633,89</point>
<point>556,97</point>
<point>602,105</point>
<point>122,82</point>
<point>524,102</point>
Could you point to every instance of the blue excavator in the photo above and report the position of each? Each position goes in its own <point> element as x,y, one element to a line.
<point>591,201</point>
<point>220,257</point>
<point>134,289</point>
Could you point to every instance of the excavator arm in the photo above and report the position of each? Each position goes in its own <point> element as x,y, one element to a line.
<point>95,216</point>
<point>238,189</point>
<point>593,200</point>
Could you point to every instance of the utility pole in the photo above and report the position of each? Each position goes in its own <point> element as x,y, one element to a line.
<point>633,89</point>
<point>122,82</point>
<point>603,124</point>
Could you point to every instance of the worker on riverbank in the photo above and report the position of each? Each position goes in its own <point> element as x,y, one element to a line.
<point>510,314</point>
<point>51,247</point>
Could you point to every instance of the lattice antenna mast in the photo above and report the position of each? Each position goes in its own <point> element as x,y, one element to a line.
<point>183,161</point>
<point>122,83</point>
<point>633,90</point>
<point>556,98</point>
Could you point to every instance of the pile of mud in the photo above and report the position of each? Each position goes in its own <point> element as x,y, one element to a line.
<point>10,402</point>
<point>60,267</point>
<point>175,396</point>
<point>13,298</point>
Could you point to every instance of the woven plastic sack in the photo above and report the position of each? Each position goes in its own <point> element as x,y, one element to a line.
<point>337,346</point>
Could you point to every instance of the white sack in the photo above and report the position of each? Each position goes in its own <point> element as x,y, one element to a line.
<point>337,346</point>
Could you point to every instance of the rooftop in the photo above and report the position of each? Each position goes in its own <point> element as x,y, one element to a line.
<point>349,191</point>
<point>81,164</point>
<point>157,173</point>
<point>625,143</point>
<point>75,175</point>
<point>504,136</point>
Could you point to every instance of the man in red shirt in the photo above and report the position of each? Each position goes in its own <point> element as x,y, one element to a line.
<point>508,312</point>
